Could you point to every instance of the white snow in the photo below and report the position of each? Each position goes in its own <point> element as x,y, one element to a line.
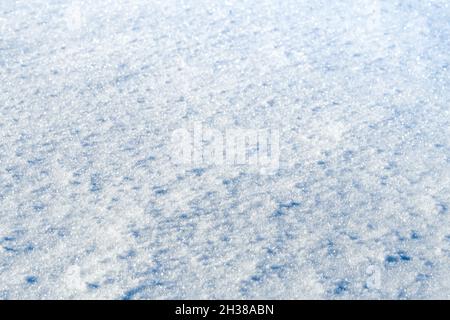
<point>92,205</point>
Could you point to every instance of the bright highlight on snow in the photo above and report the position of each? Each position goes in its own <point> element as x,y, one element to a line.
<point>346,103</point>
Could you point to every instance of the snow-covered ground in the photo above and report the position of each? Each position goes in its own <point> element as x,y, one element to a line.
<point>92,204</point>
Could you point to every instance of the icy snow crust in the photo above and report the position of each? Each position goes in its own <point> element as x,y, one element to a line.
<point>91,205</point>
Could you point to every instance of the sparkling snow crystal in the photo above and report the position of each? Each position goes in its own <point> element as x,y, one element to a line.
<point>92,204</point>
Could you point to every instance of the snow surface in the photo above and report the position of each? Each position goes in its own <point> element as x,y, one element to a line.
<point>91,205</point>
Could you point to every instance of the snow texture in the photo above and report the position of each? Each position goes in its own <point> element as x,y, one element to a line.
<point>91,205</point>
